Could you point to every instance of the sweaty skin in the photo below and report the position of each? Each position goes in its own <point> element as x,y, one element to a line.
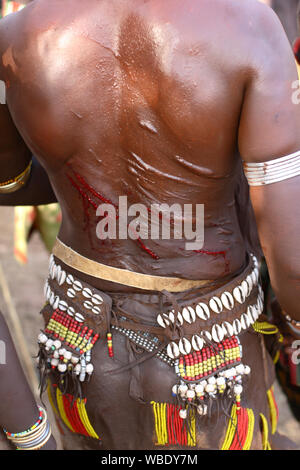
<point>159,102</point>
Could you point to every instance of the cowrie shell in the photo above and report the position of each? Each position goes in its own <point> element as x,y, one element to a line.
<point>77,285</point>
<point>249,282</point>
<point>61,278</point>
<point>88,305</point>
<point>173,350</point>
<point>206,335</point>
<point>253,277</point>
<point>261,292</point>
<point>186,315</point>
<point>202,311</point>
<point>217,333</point>
<point>228,329</point>
<point>58,271</point>
<point>79,317</point>
<point>48,293</point>
<point>96,310</point>
<point>189,314</point>
<point>237,327</point>
<point>71,293</point>
<point>193,314</point>
<point>70,279</point>
<point>45,288</point>
<point>227,300</point>
<point>97,299</point>
<point>238,294</point>
<point>55,303</point>
<point>255,313</point>
<point>216,305</point>
<point>71,311</point>
<point>63,305</point>
<point>51,263</point>
<point>185,346</point>
<point>197,343</point>
<point>245,321</point>
<point>53,271</point>
<point>87,293</point>
<point>52,297</point>
<point>245,288</point>
<point>179,319</point>
<point>171,317</point>
<point>162,322</point>
<point>251,314</point>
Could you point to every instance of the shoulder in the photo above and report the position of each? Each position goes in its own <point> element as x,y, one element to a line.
<point>254,20</point>
<point>262,42</point>
<point>10,30</point>
<point>17,29</point>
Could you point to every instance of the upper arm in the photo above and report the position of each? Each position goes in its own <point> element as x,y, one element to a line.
<point>14,154</point>
<point>270,118</point>
<point>269,129</point>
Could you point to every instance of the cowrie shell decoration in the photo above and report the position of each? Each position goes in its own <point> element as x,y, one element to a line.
<point>197,343</point>
<point>217,333</point>
<point>228,329</point>
<point>185,346</point>
<point>173,350</point>
<point>227,300</point>
<point>216,305</point>
<point>239,294</point>
<point>202,311</point>
<point>163,322</point>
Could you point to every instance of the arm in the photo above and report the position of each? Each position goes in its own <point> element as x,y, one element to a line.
<point>14,157</point>
<point>18,409</point>
<point>37,191</point>
<point>269,129</point>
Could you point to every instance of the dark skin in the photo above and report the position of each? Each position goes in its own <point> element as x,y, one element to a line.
<point>158,101</point>
<point>21,411</point>
<point>20,405</point>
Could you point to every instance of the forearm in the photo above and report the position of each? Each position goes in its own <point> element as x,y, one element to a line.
<point>18,408</point>
<point>37,191</point>
<point>14,159</point>
<point>14,154</point>
<point>277,212</point>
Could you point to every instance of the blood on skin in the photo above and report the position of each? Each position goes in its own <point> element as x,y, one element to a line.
<point>88,201</point>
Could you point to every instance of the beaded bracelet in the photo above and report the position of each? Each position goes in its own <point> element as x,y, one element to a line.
<point>295,323</point>
<point>35,437</point>
<point>30,430</point>
<point>14,184</point>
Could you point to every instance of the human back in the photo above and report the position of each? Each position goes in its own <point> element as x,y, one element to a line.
<point>137,100</point>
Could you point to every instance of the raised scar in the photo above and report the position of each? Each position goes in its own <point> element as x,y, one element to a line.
<point>2,92</point>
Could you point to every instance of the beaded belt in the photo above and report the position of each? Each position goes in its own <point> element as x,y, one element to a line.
<point>202,334</point>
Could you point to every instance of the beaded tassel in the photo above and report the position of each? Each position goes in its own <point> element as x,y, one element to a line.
<point>273,410</point>
<point>74,415</point>
<point>239,434</point>
<point>171,428</point>
<point>265,432</point>
<point>68,344</point>
<point>110,345</point>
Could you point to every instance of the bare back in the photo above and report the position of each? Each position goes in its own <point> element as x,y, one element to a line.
<point>136,99</point>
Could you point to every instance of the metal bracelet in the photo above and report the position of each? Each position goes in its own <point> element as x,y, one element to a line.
<point>273,171</point>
